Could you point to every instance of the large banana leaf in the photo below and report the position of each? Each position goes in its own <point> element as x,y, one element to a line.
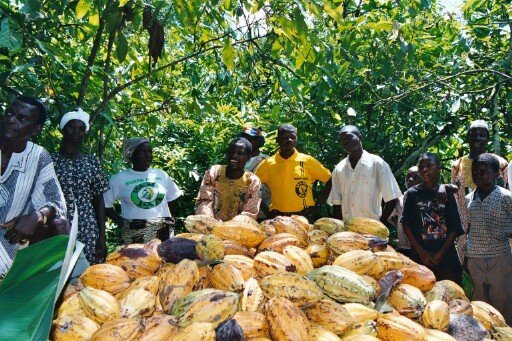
<point>28,291</point>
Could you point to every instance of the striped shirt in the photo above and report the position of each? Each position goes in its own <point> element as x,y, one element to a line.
<point>490,224</point>
<point>29,183</point>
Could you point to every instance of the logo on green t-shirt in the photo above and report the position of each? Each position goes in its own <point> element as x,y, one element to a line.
<point>147,195</point>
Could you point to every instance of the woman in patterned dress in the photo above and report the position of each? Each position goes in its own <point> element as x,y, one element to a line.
<point>83,183</point>
<point>478,139</point>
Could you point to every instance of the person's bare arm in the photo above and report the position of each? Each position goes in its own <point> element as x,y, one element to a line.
<point>388,209</point>
<point>425,256</point>
<point>98,205</point>
<point>322,198</point>
<point>337,212</point>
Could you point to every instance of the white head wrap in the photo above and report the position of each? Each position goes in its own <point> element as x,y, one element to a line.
<point>75,115</point>
<point>479,124</point>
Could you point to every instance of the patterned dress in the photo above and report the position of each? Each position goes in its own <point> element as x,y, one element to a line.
<point>461,176</point>
<point>81,180</point>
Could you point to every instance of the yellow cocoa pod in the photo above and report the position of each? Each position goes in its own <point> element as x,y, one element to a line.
<point>71,306</point>
<point>318,237</point>
<point>365,225</point>
<point>207,305</point>
<point>159,328</point>
<point>73,327</point>
<point>392,327</point>
<point>437,335</point>
<point>296,288</point>
<point>178,282</point>
<point>108,277</point>
<point>252,298</point>
<point>198,331</point>
<point>436,315</point>
<point>299,258</point>
<point>240,232</point>
<point>278,242</point>
<point>359,313</point>
<point>267,263</point>
<point>407,300</point>
<point>138,302</point>
<point>359,261</point>
<point>286,320</point>
<point>137,262</point>
<point>244,264</point>
<point>201,224</point>
<point>342,284</point>
<point>330,225</point>
<point>150,283</point>
<point>253,324</point>
<point>330,315</point>
<point>210,248</point>
<point>126,329</point>
<point>487,315</point>
<point>319,254</point>
<point>319,333</point>
<point>458,306</point>
<point>234,248</point>
<point>291,226</point>
<point>418,276</point>
<point>99,305</point>
<point>226,277</point>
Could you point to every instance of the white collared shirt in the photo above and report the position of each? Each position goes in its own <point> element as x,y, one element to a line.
<point>360,191</point>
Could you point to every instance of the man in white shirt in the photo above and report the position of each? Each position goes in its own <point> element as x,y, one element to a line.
<point>32,205</point>
<point>361,181</point>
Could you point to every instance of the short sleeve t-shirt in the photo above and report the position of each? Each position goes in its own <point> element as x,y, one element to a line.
<point>291,180</point>
<point>143,195</point>
<point>431,221</point>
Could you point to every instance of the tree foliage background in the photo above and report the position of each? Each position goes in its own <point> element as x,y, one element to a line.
<point>190,73</point>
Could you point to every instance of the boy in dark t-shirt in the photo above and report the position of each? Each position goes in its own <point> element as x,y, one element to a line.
<point>432,224</point>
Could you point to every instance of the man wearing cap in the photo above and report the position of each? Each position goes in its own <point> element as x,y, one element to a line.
<point>257,139</point>
<point>146,195</point>
<point>31,201</point>
<point>290,176</point>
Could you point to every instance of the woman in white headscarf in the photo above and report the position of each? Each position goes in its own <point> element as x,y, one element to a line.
<point>146,196</point>
<point>83,183</point>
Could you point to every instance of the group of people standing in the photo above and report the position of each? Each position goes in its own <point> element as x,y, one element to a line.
<point>39,190</point>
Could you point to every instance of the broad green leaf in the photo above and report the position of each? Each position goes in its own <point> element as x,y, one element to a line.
<point>10,38</point>
<point>82,7</point>
<point>122,2</point>
<point>228,55</point>
<point>334,12</point>
<point>122,47</point>
<point>94,19</point>
<point>27,293</point>
<point>473,5</point>
<point>286,86</point>
<point>382,25</point>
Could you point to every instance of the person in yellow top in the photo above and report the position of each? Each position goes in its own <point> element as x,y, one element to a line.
<point>290,176</point>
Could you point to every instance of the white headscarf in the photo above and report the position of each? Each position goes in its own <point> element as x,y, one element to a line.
<point>75,115</point>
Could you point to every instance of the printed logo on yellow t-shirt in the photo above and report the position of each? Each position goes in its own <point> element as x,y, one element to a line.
<point>301,189</point>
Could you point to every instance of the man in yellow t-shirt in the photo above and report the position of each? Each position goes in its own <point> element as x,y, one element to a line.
<point>290,176</point>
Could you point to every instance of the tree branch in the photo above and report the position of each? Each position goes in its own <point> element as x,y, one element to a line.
<point>90,62</point>
<point>146,75</point>
<point>506,77</point>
